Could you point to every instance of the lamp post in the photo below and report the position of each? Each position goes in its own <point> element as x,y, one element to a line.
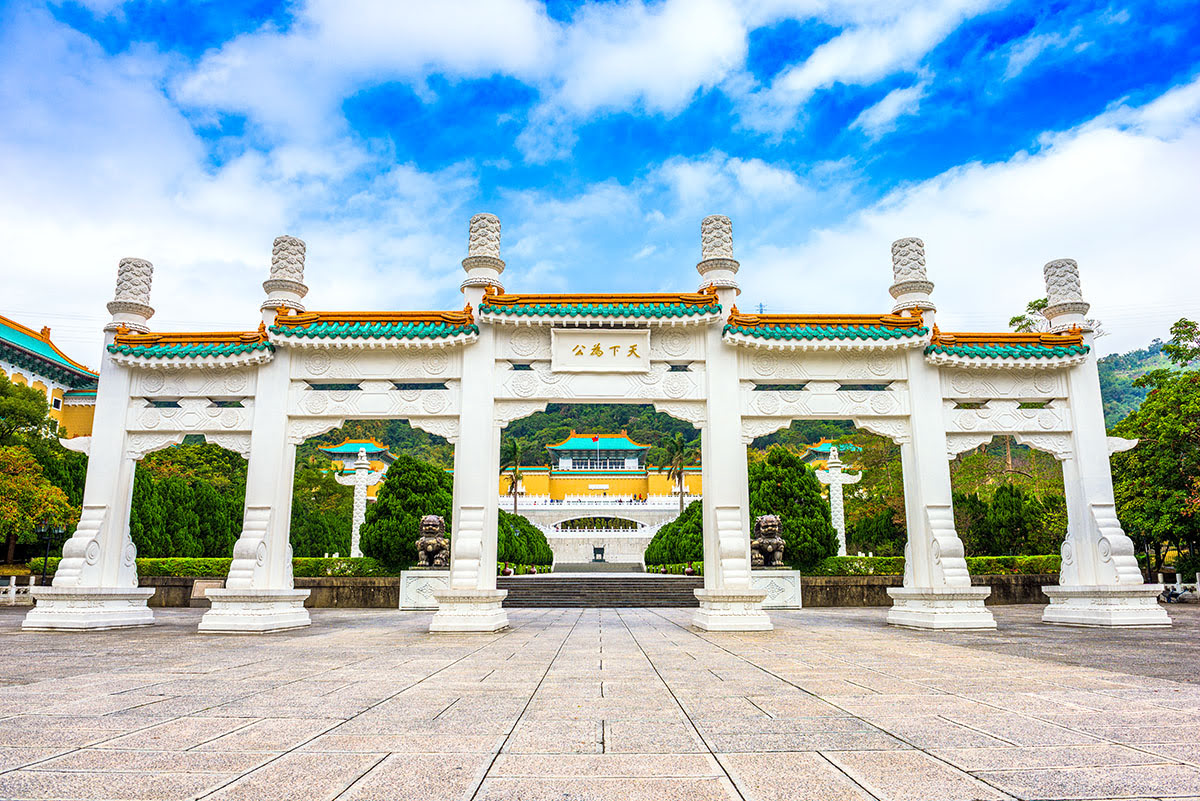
<point>47,534</point>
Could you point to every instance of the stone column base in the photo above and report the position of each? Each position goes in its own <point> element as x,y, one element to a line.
<point>940,608</point>
<point>88,608</point>
<point>725,610</point>
<point>249,611</point>
<point>469,610</point>
<point>1105,605</point>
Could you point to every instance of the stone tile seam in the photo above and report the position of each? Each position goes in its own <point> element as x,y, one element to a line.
<point>488,769</point>
<point>695,729</point>
<point>299,745</point>
<point>951,767</point>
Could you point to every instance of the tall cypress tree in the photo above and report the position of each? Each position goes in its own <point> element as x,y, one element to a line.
<point>783,485</point>
<point>147,521</point>
<point>212,521</point>
<point>411,490</point>
<point>181,522</point>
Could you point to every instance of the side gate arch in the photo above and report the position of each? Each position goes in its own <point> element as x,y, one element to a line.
<point>466,374</point>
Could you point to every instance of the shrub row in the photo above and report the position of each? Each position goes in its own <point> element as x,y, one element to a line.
<point>303,567</point>
<point>894,566</point>
<point>676,569</point>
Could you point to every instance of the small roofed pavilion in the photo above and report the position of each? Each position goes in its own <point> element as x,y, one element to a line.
<point>344,454</point>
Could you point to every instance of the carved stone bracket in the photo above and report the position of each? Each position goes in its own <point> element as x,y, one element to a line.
<point>442,426</point>
<point>138,445</point>
<point>694,412</point>
<point>957,443</point>
<point>1059,445</point>
<point>755,427</point>
<point>301,428</point>
<point>505,411</point>
<point>238,443</point>
<point>897,429</point>
<point>77,444</point>
<point>1118,444</point>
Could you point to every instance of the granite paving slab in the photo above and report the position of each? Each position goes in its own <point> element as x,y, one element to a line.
<point>599,704</point>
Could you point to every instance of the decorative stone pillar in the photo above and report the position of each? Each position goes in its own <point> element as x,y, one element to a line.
<point>835,478</point>
<point>285,288</point>
<point>910,286</point>
<point>472,603</point>
<point>1100,583</point>
<point>937,591</point>
<point>362,478</point>
<point>96,584</point>
<point>727,602</point>
<point>259,595</point>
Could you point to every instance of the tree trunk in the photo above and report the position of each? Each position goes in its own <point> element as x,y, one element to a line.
<point>12,547</point>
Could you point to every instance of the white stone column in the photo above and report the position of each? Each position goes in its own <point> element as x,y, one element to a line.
<point>836,479</point>
<point>1100,583</point>
<point>259,595</point>
<point>727,602</point>
<point>96,584</point>
<point>362,478</point>
<point>472,603</point>
<point>937,591</point>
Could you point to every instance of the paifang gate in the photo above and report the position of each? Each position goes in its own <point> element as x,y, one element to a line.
<point>693,355</point>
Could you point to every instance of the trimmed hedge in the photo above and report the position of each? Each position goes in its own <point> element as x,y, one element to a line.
<point>306,567</point>
<point>676,569</point>
<point>894,565</point>
<point>302,567</point>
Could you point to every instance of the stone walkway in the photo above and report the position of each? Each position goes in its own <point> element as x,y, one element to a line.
<point>600,704</point>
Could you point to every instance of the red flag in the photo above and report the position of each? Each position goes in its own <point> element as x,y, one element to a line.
<point>596,438</point>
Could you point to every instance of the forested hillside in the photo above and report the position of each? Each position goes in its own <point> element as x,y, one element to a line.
<point>1118,373</point>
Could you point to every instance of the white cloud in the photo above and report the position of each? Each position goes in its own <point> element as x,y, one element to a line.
<point>882,117</point>
<point>1116,195</point>
<point>884,39</point>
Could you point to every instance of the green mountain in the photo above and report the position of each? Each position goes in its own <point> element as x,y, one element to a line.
<point>1117,374</point>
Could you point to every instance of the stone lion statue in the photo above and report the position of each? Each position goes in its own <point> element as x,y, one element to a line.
<point>766,549</point>
<point>433,549</point>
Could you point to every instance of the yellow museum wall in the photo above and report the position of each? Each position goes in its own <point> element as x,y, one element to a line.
<point>559,485</point>
<point>76,421</point>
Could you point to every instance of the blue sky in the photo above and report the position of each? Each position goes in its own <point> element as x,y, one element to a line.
<point>1004,134</point>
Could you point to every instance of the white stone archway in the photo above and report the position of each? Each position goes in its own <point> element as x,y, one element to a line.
<point>466,374</point>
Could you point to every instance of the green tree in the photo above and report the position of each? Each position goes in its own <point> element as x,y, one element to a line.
<point>23,410</point>
<point>216,534</point>
<point>878,534</point>
<point>1012,523</point>
<point>27,498</point>
<point>783,485</point>
<point>322,513</point>
<point>147,519</point>
<point>680,541</point>
<point>678,455</point>
<point>180,521</point>
<point>1156,484</point>
<point>411,490</point>
<point>512,451</point>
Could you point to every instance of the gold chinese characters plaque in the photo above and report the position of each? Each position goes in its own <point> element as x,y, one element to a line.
<point>599,351</point>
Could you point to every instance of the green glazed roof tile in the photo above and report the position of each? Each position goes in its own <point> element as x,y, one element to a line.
<point>643,310</point>
<point>864,332</point>
<point>185,350</point>
<point>379,330</point>
<point>1008,351</point>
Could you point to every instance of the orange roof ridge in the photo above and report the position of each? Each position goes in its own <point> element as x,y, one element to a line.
<point>832,320</point>
<point>703,298</point>
<point>1071,337</point>
<point>132,338</point>
<point>294,318</point>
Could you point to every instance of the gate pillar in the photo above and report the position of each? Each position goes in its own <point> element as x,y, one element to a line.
<point>727,603</point>
<point>259,595</point>
<point>937,591</point>
<point>96,584</point>
<point>1100,583</point>
<point>472,602</point>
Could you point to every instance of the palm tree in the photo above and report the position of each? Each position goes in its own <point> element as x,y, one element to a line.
<point>511,451</point>
<point>678,457</point>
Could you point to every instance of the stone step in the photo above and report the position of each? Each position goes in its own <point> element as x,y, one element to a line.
<point>600,591</point>
<point>599,567</point>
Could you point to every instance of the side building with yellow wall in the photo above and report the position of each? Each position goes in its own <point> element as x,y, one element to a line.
<point>29,358</point>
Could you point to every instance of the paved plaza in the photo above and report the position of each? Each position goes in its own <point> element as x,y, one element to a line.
<point>601,704</point>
